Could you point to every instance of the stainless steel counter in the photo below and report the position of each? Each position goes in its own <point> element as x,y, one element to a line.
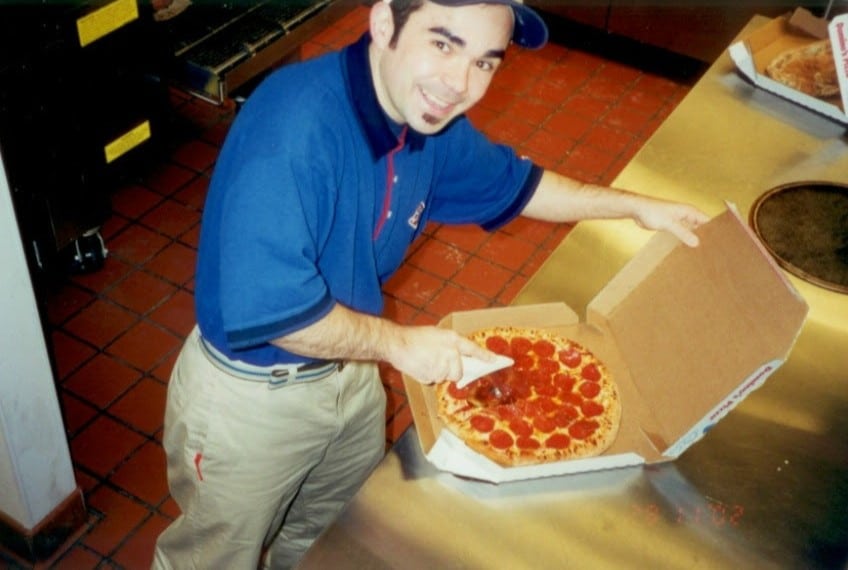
<point>766,488</point>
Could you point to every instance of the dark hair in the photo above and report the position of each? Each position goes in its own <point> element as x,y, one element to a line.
<point>401,9</point>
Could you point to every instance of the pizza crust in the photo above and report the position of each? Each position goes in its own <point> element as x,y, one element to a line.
<point>809,69</point>
<point>541,403</point>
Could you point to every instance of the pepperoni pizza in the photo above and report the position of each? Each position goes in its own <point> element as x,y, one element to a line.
<point>556,402</point>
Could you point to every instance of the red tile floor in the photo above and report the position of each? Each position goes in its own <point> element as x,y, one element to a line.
<point>116,332</point>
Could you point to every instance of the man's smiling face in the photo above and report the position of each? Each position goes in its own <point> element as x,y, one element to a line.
<point>442,63</point>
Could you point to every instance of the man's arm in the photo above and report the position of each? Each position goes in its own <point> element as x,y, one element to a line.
<point>431,354</point>
<point>428,354</point>
<point>562,199</point>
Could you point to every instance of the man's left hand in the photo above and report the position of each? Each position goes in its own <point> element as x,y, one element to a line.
<point>673,217</point>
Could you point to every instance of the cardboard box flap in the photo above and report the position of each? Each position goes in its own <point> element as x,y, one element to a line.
<point>692,324</point>
<point>421,413</point>
<point>805,22</point>
<point>838,33</point>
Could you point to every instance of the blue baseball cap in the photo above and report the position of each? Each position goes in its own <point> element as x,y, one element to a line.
<point>530,30</point>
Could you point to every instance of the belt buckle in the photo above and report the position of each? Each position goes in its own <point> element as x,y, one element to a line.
<point>278,378</point>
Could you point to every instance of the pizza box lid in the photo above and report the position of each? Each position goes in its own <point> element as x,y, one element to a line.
<point>699,328</point>
<point>686,333</point>
<point>753,54</point>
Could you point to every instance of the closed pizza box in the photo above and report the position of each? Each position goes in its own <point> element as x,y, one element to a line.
<point>753,54</point>
<point>687,334</point>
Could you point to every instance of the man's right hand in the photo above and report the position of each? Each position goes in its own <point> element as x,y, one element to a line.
<point>431,354</point>
<point>427,353</point>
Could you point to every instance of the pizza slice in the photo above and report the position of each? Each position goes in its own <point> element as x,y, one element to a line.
<point>810,69</point>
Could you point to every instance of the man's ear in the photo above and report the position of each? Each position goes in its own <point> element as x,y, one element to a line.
<point>382,24</point>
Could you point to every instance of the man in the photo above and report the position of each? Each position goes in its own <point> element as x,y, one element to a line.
<point>275,409</point>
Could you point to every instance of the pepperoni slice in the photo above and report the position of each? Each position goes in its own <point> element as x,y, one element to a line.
<point>571,357</point>
<point>523,361</point>
<point>534,377</point>
<point>582,429</point>
<point>521,390</point>
<point>520,428</point>
<point>498,345</point>
<point>547,366</point>
<point>547,405</point>
<point>544,348</point>
<point>508,412</point>
<point>572,398</point>
<point>459,393</point>
<point>547,389</point>
<point>500,439</point>
<point>544,424</point>
<point>564,382</point>
<point>533,408</point>
<point>590,389</point>
<point>482,423</point>
<point>520,345</point>
<point>565,415</point>
<point>500,376</point>
<point>558,441</point>
<point>483,392</point>
<point>590,372</point>
<point>527,443</point>
<point>591,408</point>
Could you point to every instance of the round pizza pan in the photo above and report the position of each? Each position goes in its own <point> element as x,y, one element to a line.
<point>804,225</point>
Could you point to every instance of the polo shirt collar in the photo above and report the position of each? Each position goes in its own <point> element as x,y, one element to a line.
<point>380,131</point>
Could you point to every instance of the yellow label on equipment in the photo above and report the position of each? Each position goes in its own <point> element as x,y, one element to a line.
<point>106,20</point>
<point>126,142</point>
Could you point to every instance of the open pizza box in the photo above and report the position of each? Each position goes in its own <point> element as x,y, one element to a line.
<point>753,54</point>
<point>686,333</point>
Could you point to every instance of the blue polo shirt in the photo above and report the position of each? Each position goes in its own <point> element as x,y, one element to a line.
<point>297,217</point>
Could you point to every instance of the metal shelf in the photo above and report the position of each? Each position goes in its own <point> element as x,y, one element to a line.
<point>218,48</point>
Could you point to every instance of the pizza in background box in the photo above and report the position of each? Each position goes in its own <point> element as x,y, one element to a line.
<point>782,58</point>
<point>809,69</point>
<point>558,401</point>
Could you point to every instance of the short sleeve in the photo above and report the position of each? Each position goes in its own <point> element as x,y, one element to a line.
<point>479,181</point>
<point>277,202</point>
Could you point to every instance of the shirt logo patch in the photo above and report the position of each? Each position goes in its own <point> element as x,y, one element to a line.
<point>415,218</point>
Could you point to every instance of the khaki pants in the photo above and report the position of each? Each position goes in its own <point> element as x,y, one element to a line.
<point>255,469</point>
